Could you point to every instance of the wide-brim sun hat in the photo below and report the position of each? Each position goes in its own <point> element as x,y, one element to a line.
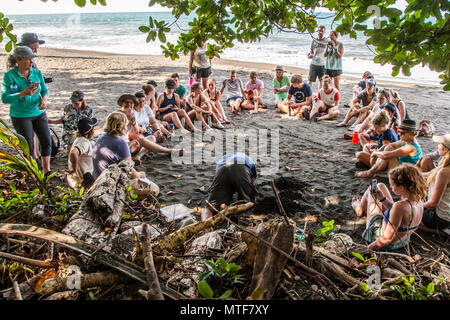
<point>279,68</point>
<point>408,125</point>
<point>445,140</point>
<point>86,124</point>
<point>23,52</point>
<point>30,38</point>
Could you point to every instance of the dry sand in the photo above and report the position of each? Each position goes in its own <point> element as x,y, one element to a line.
<point>323,182</point>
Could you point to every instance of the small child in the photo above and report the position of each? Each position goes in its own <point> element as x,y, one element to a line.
<point>80,156</point>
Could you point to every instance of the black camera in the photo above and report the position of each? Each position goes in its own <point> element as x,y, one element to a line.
<point>48,79</point>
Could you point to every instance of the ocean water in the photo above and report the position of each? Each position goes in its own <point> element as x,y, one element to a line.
<point>118,33</point>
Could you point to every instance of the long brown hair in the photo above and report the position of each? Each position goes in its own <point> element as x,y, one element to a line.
<point>409,176</point>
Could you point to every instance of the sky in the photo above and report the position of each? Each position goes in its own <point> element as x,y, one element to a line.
<point>11,7</point>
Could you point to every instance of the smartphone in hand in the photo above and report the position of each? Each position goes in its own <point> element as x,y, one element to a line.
<point>373,186</point>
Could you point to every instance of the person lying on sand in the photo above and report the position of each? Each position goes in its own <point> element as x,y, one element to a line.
<point>406,150</point>
<point>254,90</point>
<point>169,109</point>
<point>138,142</point>
<point>327,102</point>
<point>235,173</point>
<point>302,98</point>
<point>436,215</point>
<point>199,107</point>
<point>80,156</point>
<point>383,136</point>
<point>390,223</point>
<point>214,95</point>
<point>235,91</point>
<point>361,106</point>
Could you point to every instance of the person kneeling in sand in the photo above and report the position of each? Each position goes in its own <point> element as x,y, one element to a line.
<point>235,90</point>
<point>327,102</point>
<point>302,98</point>
<point>390,223</point>
<point>235,173</point>
<point>281,84</point>
<point>254,93</point>
<point>406,150</point>
<point>80,156</point>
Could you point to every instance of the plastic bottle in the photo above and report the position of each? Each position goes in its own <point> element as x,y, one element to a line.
<point>355,137</point>
<point>191,81</point>
<point>172,127</point>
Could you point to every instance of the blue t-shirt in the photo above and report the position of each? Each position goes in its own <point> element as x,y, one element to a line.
<point>108,150</point>
<point>238,157</point>
<point>300,94</point>
<point>389,135</point>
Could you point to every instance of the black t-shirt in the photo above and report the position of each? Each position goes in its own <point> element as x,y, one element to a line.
<point>300,94</point>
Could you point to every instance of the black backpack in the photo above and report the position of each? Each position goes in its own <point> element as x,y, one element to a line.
<point>56,143</point>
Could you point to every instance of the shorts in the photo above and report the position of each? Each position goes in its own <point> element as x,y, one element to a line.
<point>333,73</point>
<point>431,220</point>
<point>278,99</point>
<point>201,72</point>
<point>231,99</point>
<point>375,231</point>
<point>316,72</point>
<point>231,179</point>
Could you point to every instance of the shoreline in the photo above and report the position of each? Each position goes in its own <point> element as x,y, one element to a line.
<point>225,64</point>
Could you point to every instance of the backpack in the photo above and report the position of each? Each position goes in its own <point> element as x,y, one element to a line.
<point>426,128</point>
<point>56,143</point>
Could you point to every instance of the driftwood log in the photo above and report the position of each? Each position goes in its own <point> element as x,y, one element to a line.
<point>154,288</point>
<point>92,280</point>
<point>102,206</point>
<point>269,264</point>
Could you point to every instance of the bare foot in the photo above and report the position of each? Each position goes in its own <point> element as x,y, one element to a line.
<point>356,206</point>
<point>364,174</point>
<point>253,111</point>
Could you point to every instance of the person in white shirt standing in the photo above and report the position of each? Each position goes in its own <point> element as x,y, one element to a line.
<point>316,54</point>
<point>200,65</point>
<point>326,103</point>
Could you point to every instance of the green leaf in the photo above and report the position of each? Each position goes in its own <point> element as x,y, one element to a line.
<point>430,288</point>
<point>205,290</point>
<point>161,36</point>
<point>365,286</point>
<point>144,29</point>
<point>357,255</point>
<point>226,294</point>
<point>80,3</point>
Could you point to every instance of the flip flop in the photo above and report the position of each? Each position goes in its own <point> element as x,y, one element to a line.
<point>306,114</point>
<point>341,124</point>
<point>351,128</point>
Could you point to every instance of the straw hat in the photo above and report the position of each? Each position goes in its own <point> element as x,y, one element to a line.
<point>445,140</point>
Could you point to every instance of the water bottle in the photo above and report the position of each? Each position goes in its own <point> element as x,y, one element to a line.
<point>355,137</point>
<point>149,133</point>
<point>191,81</point>
<point>13,88</point>
<point>172,127</point>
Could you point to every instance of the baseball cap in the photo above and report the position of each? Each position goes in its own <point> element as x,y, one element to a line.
<point>389,106</point>
<point>77,95</point>
<point>445,140</point>
<point>152,82</point>
<point>30,38</point>
<point>371,81</point>
<point>86,124</point>
<point>23,52</point>
<point>170,84</point>
<point>139,94</point>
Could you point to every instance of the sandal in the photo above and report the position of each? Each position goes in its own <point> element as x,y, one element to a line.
<point>341,124</point>
<point>351,128</point>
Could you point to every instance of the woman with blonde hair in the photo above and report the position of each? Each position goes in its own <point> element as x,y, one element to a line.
<point>214,95</point>
<point>390,223</point>
<point>437,209</point>
<point>384,136</point>
<point>110,148</point>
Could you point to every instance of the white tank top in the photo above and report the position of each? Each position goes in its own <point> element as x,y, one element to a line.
<point>443,208</point>
<point>200,59</point>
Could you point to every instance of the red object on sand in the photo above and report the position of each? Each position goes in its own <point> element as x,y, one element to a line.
<point>355,138</point>
<point>191,81</point>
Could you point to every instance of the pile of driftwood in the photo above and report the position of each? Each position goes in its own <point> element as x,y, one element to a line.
<point>97,249</point>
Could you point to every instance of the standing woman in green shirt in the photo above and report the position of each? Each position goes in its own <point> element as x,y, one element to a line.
<point>23,88</point>
<point>333,65</point>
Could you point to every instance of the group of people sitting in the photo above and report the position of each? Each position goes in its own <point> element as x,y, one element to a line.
<point>145,119</point>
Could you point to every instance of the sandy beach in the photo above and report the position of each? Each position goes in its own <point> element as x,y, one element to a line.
<point>314,159</point>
